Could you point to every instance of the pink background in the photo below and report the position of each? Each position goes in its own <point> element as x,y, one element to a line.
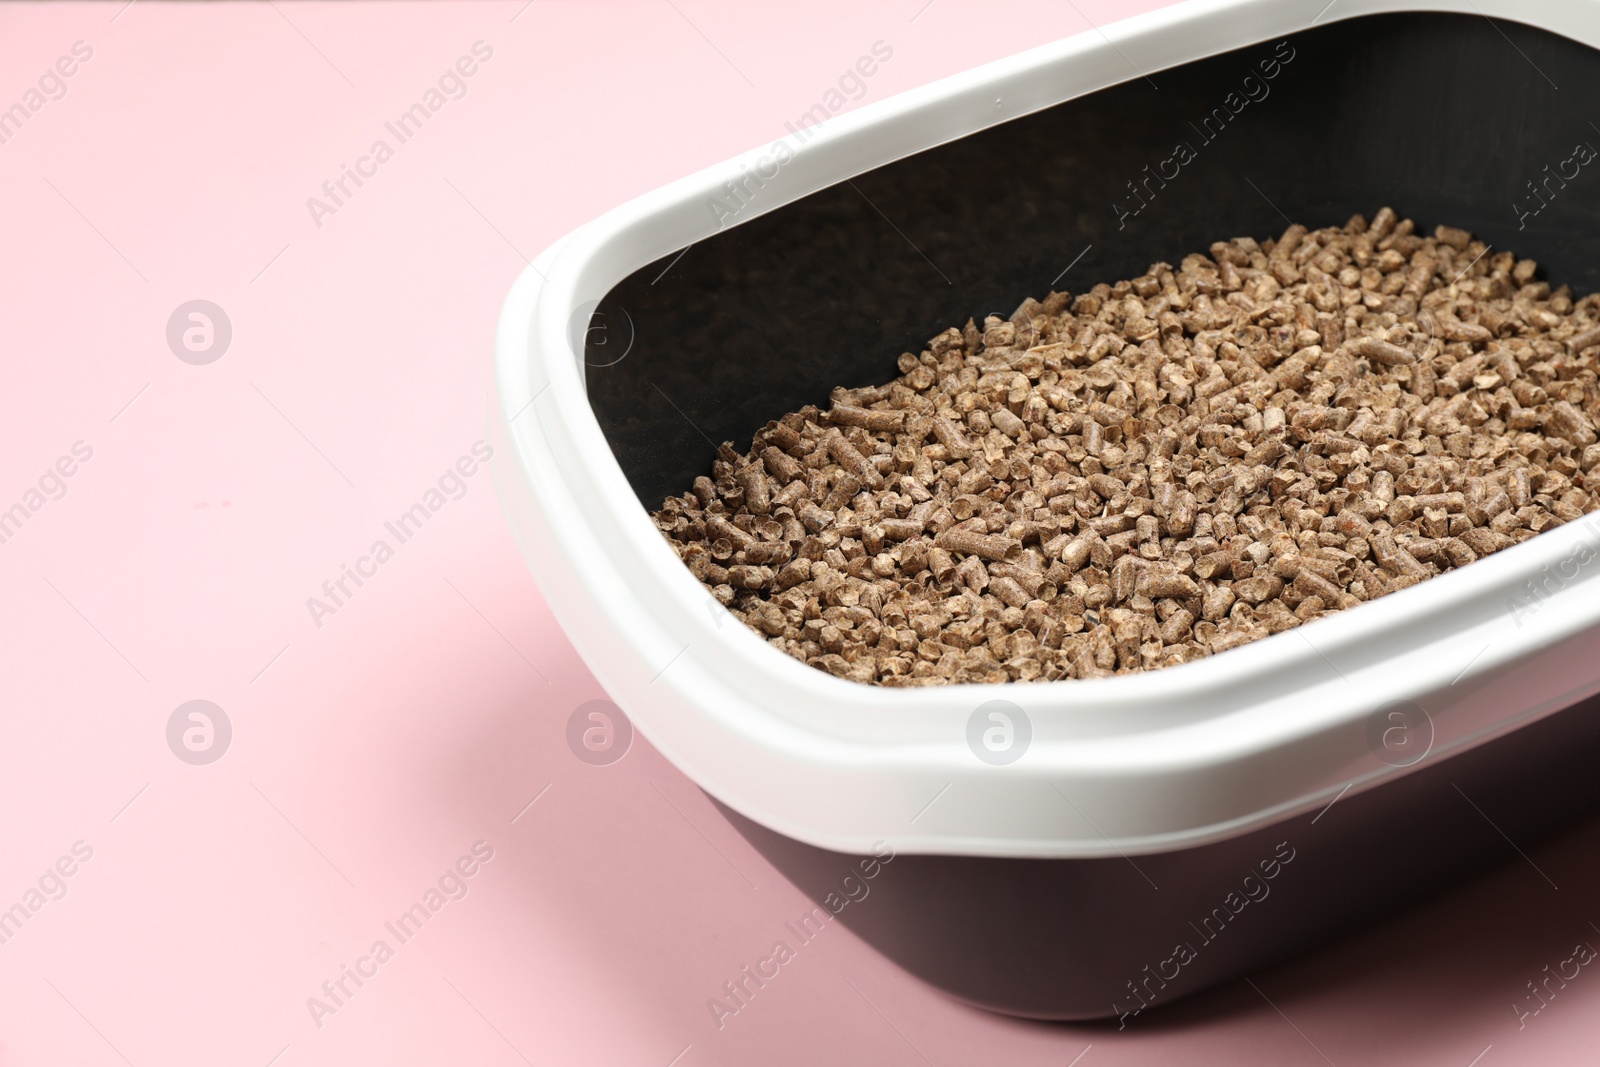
<point>370,752</point>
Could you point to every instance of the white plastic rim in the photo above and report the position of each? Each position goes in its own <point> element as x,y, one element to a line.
<point>1125,765</point>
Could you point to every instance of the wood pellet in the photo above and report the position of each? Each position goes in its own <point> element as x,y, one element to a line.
<point>1163,469</point>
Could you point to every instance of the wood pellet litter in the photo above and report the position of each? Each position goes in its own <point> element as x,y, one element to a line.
<point>1163,469</point>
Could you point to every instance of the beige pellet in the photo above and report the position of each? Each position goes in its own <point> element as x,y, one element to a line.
<point>867,418</point>
<point>1585,339</point>
<point>1035,583</point>
<point>1178,627</point>
<point>1456,551</point>
<point>1217,564</point>
<point>1160,582</point>
<point>1454,502</point>
<point>768,552</point>
<point>721,529</point>
<point>790,495</point>
<point>1519,488</point>
<point>1093,438</point>
<point>1216,602</point>
<point>950,435</point>
<point>851,459</point>
<point>748,577</point>
<point>1007,423</point>
<point>987,546</point>
<point>793,573</point>
<point>1395,558</point>
<point>1009,591</point>
<point>972,573</point>
<point>1076,553</point>
<point>815,518</point>
<point>784,436</point>
<point>785,468</point>
<point>843,491</point>
<point>1375,348</point>
<point>1309,583</point>
<point>1567,421</point>
<point>757,496</point>
<point>900,529</point>
<point>1484,512</point>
